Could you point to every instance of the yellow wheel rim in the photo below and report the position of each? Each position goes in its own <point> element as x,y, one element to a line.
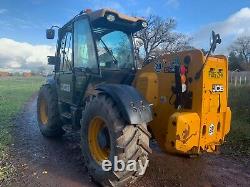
<point>43,111</point>
<point>99,141</point>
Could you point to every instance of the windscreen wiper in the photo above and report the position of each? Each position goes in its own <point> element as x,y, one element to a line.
<point>110,52</point>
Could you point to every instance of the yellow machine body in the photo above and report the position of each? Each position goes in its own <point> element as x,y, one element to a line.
<point>204,122</point>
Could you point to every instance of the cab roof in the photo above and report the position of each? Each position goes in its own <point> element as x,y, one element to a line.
<point>122,22</point>
<point>102,12</point>
<point>98,19</point>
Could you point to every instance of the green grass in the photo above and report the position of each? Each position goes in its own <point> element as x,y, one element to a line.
<point>238,140</point>
<point>14,92</point>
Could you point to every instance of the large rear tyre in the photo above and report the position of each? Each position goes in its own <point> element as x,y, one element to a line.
<point>48,117</point>
<point>104,135</point>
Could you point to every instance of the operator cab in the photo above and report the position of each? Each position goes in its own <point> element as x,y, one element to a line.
<point>94,45</point>
<point>112,33</point>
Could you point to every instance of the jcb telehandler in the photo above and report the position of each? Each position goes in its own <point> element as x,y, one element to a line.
<point>181,98</point>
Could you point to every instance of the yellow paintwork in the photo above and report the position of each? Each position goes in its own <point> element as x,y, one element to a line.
<point>183,132</point>
<point>96,151</point>
<point>209,109</point>
<point>43,111</point>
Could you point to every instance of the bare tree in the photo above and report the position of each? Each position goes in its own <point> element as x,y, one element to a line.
<point>242,47</point>
<point>180,42</point>
<point>159,38</point>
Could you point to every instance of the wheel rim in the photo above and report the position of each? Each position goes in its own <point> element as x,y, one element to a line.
<point>99,140</point>
<point>43,111</point>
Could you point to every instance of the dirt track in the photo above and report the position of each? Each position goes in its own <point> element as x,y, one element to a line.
<point>43,162</point>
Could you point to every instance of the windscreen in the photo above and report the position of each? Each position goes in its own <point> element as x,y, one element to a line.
<point>115,48</point>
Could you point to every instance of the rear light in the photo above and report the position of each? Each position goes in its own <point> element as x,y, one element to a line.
<point>183,71</point>
<point>183,79</point>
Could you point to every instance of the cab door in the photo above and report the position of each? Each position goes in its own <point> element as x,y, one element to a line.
<point>85,58</point>
<point>65,75</point>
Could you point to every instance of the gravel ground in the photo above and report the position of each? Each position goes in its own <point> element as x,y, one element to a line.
<point>43,162</point>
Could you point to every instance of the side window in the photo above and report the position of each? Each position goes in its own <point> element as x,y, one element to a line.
<point>66,52</point>
<point>84,50</point>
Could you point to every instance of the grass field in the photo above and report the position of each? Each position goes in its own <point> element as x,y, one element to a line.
<point>14,92</point>
<point>238,141</point>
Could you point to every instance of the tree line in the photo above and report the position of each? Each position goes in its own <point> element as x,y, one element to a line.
<point>239,54</point>
<point>160,38</point>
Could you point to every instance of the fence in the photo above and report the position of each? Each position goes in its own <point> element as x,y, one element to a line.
<point>239,78</point>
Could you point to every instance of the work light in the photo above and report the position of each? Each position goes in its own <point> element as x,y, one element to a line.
<point>144,24</point>
<point>110,17</point>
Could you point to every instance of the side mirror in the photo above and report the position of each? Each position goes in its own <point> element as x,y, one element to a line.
<point>50,33</point>
<point>214,40</point>
<point>53,60</point>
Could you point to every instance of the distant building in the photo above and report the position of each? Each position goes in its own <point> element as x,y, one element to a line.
<point>27,74</point>
<point>4,74</point>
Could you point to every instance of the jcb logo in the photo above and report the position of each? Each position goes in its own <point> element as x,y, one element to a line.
<point>217,88</point>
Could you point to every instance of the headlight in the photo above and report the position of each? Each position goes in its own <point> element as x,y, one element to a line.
<point>144,24</point>
<point>110,17</point>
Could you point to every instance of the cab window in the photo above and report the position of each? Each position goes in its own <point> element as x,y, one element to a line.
<point>66,52</point>
<point>115,49</point>
<point>84,49</point>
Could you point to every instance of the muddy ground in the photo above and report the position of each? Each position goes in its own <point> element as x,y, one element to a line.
<point>44,162</point>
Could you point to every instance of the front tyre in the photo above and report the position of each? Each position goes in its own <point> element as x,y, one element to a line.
<point>104,135</point>
<point>48,117</point>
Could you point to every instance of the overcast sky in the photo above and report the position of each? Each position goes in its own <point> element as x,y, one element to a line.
<point>23,23</point>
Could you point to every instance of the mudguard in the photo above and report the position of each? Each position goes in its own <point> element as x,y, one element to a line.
<point>134,107</point>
